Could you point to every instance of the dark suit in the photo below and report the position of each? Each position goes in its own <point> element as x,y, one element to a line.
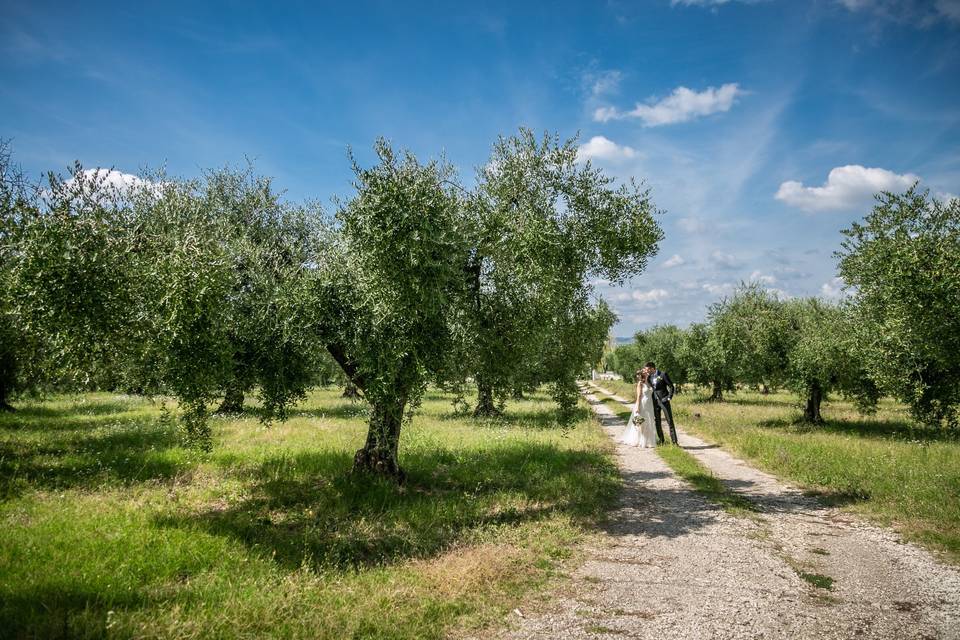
<point>662,393</point>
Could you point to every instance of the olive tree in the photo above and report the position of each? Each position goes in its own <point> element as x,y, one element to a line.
<point>391,288</point>
<point>625,360</point>
<point>823,357</point>
<point>425,279</point>
<point>137,284</point>
<point>902,263</point>
<point>761,333</point>
<point>544,225</point>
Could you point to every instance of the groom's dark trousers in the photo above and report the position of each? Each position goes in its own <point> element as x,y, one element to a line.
<point>656,419</point>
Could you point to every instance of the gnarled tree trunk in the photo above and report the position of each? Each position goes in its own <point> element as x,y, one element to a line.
<point>232,400</point>
<point>811,412</point>
<point>486,408</point>
<point>350,391</point>
<point>717,395</point>
<point>379,453</point>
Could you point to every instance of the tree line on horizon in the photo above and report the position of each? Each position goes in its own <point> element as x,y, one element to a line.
<point>896,333</point>
<point>214,288</point>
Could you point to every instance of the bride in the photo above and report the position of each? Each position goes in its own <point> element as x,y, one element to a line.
<point>642,434</point>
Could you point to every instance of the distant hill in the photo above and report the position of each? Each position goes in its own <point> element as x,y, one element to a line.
<point>624,340</point>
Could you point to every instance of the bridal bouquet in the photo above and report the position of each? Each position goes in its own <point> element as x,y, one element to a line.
<point>638,419</point>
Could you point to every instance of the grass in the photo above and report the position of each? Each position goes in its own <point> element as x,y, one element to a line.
<point>883,466</point>
<point>112,528</point>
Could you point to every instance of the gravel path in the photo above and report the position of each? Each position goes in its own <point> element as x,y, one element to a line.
<point>674,565</point>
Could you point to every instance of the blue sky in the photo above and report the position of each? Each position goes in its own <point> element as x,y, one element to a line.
<point>762,127</point>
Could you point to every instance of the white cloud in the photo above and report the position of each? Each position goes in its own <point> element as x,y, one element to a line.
<point>654,295</point>
<point>724,260</point>
<point>605,82</point>
<point>718,289</point>
<point>109,183</point>
<point>762,278</point>
<point>922,13</point>
<point>601,148</point>
<point>118,180</point>
<point>832,289</point>
<point>846,188</point>
<point>692,225</point>
<point>644,299</point>
<point>674,261</point>
<point>682,105</point>
<point>946,197</point>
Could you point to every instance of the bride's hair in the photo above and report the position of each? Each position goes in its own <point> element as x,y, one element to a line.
<point>642,375</point>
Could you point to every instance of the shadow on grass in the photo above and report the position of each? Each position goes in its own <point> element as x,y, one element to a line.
<point>77,452</point>
<point>75,416</point>
<point>308,509</point>
<point>864,428</point>
<point>344,410</point>
<point>51,612</point>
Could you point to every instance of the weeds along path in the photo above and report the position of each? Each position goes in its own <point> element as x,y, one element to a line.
<point>674,564</point>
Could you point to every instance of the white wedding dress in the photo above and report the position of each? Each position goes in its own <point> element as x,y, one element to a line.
<point>644,435</point>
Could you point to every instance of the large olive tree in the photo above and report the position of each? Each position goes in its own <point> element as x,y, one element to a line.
<point>430,282</point>
<point>544,225</point>
<point>903,266</point>
<point>148,285</point>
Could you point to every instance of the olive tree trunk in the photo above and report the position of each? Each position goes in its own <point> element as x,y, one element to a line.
<point>717,395</point>
<point>486,407</point>
<point>811,412</point>
<point>232,400</point>
<point>350,391</point>
<point>379,453</point>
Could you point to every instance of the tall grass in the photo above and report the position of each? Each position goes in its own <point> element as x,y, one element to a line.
<point>111,527</point>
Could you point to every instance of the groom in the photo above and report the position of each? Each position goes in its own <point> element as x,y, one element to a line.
<point>662,392</point>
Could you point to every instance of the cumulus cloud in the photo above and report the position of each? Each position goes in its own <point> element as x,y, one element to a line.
<point>644,299</point>
<point>601,148</point>
<point>118,180</point>
<point>110,182</point>
<point>719,289</point>
<point>682,105</point>
<point>832,289</point>
<point>724,260</point>
<point>846,188</point>
<point>674,261</point>
<point>763,278</point>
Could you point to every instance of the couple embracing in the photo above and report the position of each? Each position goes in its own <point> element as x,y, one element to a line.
<point>654,391</point>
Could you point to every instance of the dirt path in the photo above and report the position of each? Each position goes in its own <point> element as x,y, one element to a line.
<point>674,565</point>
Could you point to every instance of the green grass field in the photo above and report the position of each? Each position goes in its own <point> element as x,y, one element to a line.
<point>882,466</point>
<point>112,528</point>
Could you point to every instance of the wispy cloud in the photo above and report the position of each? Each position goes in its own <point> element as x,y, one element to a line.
<point>674,261</point>
<point>682,105</point>
<point>604,82</point>
<point>922,13</point>
<point>723,260</point>
<point>846,188</point>
<point>601,148</point>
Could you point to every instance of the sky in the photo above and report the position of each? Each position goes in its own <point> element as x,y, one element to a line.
<point>761,127</point>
